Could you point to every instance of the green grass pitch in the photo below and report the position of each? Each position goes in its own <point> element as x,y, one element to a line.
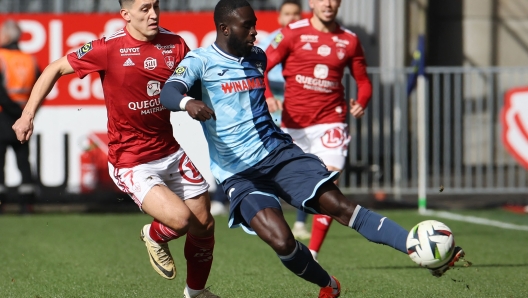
<point>102,256</point>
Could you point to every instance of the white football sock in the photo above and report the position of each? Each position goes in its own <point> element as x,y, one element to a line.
<point>190,292</point>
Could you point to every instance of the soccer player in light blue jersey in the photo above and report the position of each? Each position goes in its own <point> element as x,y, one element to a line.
<point>254,161</point>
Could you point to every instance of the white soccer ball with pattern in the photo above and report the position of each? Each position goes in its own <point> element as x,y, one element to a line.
<point>430,244</point>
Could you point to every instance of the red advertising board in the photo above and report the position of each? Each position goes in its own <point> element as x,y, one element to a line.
<point>51,36</point>
<point>514,118</point>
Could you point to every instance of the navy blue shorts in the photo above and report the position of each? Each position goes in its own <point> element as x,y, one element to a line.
<point>287,173</point>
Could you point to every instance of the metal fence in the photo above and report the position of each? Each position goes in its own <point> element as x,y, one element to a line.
<point>465,153</point>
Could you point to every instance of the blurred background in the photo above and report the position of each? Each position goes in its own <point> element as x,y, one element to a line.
<point>474,58</point>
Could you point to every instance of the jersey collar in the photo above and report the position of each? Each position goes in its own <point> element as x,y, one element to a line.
<point>226,55</point>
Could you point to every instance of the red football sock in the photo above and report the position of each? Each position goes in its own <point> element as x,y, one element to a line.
<point>161,233</point>
<point>320,226</point>
<point>199,255</point>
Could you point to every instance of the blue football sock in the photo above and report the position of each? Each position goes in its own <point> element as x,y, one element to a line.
<point>379,229</point>
<point>301,216</point>
<point>301,262</point>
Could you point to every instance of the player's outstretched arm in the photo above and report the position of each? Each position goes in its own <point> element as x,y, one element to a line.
<point>23,127</point>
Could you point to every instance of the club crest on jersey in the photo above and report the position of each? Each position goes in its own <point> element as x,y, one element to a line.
<point>84,49</point>
<point>324,50</point>
<point>341,53</point>
<point>278,38</point>
<point>179,71</point>
<point>150,63</point>
<point>169,60</point>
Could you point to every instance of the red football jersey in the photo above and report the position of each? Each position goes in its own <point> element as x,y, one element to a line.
<point>313,68</point>
<point>132,74</point>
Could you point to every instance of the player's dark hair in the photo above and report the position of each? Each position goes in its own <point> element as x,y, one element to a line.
<point>294,2</point>
<point>224,8</point>
<point>126,2</point>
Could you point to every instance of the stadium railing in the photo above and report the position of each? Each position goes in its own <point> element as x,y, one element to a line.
<point>465,151</point>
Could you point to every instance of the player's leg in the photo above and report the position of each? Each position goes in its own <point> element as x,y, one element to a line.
<point>186,181</point>
<point>171,216</point>
<point>264,215</point>
<point>199,245</point>
<point>171,220</point>
<point>26,190</point>
<point>376,228</point>
<point>3,188</point>
<point>255,207</point>
<point>306,183</point>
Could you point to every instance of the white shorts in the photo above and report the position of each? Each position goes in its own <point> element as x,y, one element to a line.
<point>175,171</point>
<point>328,141</point>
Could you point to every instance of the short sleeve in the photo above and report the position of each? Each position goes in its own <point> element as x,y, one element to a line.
<point>190,70</point>
<point>91,57</point>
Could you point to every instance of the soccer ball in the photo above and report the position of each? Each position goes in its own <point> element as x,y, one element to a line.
<point>430,244</point>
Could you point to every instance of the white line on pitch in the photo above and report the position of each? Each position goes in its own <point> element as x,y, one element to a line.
<point>475,220</point>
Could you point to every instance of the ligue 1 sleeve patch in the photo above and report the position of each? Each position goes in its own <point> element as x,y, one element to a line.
<point>84,49</point>
<point>278,38</point>
<point>179,71</point>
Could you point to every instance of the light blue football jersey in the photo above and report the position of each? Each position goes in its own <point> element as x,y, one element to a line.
<point>243,133</point>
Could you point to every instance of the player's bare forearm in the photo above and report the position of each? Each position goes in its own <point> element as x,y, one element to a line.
<point>44,84</point>
<point>23,127</point>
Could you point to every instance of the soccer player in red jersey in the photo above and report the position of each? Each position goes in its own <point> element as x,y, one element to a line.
<point>315,53</point>
<point>145,160</point>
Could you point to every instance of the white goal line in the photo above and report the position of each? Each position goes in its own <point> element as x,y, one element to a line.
<point>475,220</point>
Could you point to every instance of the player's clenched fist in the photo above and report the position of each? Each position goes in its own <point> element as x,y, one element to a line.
<point>356,109</point>
<point>199,110</point>
<point>23,128</point>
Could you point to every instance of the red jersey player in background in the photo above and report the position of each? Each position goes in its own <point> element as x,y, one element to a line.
<point>314,53</point>
<point>145,160</point>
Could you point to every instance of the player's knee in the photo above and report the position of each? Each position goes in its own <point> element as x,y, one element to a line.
<point>343,211</point>
<point>181,225</point>
<point>283,246</point>
<point>207,227</point>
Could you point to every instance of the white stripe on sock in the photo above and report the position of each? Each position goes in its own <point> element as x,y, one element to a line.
<point>292,254</point>
<point>354,215</point>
